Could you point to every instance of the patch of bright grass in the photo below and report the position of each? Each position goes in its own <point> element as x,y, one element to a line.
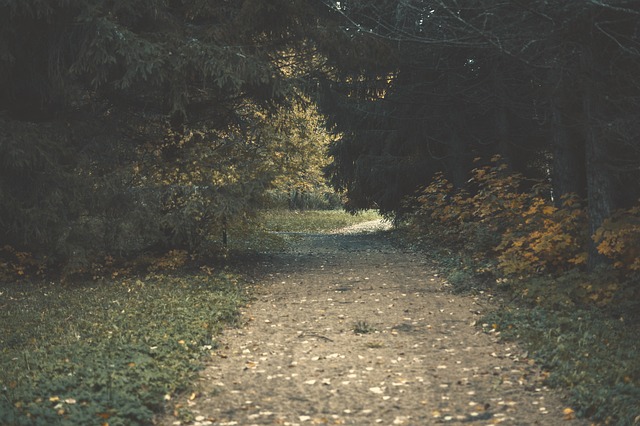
<point>107,353</point>
<point>592,356</point>
<point>312,220</point>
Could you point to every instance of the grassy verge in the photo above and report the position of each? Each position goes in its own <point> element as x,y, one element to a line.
<point>110,352</point>
<point>115,351</point>
<point>591,352</point>
<point>593,356</point>
<point>312,220</point>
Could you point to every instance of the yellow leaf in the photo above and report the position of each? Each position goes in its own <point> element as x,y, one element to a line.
<point>569,414</point>
<point>54,399</point>
<point>580,259</point>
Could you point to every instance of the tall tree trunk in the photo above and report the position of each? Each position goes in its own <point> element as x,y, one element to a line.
<point>568,157</point>
<point>457,161</point>
<point>501,117</point>
<point>599,180</point>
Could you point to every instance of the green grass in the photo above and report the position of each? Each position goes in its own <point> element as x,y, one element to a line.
<point>263,232</point>
<point>591,352</point>
<point>109,352</point>
<point>312,220</point>
<point>593,356</point>
<point>116,351</point>
<point>363,327</point>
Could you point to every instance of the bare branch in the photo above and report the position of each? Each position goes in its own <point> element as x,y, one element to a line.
<point>616,8</point>
<point>632,51</point>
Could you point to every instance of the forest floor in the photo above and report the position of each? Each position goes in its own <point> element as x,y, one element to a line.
<point>350,328</point>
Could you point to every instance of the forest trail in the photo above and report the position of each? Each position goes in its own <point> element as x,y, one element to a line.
<point>420,358</point>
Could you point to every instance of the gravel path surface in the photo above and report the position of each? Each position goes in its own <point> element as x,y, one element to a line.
<point>346,328</point>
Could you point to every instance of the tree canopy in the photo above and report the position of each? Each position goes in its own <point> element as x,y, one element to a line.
<point>551,86</point>
<point>174,117</point>
<point>131,126</point>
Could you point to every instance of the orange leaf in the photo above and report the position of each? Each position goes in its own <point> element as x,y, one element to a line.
<point>569,414</point>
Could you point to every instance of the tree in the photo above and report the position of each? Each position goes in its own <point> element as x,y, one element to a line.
<point>435,104</point>
<point>296,141</point>
<point>551,86</point>
<point>125,123</point>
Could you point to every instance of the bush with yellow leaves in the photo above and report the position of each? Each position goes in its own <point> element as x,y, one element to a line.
<point>619,238</point>
<point>527,233</point>
<point>544,238</point>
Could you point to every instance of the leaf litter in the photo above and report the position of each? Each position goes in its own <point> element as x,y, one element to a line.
<point>422,359</point>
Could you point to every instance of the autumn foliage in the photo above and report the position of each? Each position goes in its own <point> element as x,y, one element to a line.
<point>515,219</point>
<point>619,238</point>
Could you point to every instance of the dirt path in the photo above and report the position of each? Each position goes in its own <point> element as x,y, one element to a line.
<point>420,358</point>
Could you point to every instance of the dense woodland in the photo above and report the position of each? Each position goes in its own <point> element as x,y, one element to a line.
<point>140,136</point>
<point>146,126</point>
<point>130,127</point>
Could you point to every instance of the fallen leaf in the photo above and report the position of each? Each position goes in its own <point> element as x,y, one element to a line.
<point>569,414</point>
<point>376,390</point>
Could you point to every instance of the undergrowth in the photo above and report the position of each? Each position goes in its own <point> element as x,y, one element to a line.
<point>592,356</point>
<point>591,351</point>
<point>107,352</point>
<point>513,243</point>
<point>113,345</point>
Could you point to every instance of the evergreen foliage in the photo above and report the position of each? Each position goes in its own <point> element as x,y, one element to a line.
<point>551,86</point>
<point>130,127</point>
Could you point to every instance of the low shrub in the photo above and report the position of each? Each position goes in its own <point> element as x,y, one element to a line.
<point>618,238</point>
<point>581,325</point>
